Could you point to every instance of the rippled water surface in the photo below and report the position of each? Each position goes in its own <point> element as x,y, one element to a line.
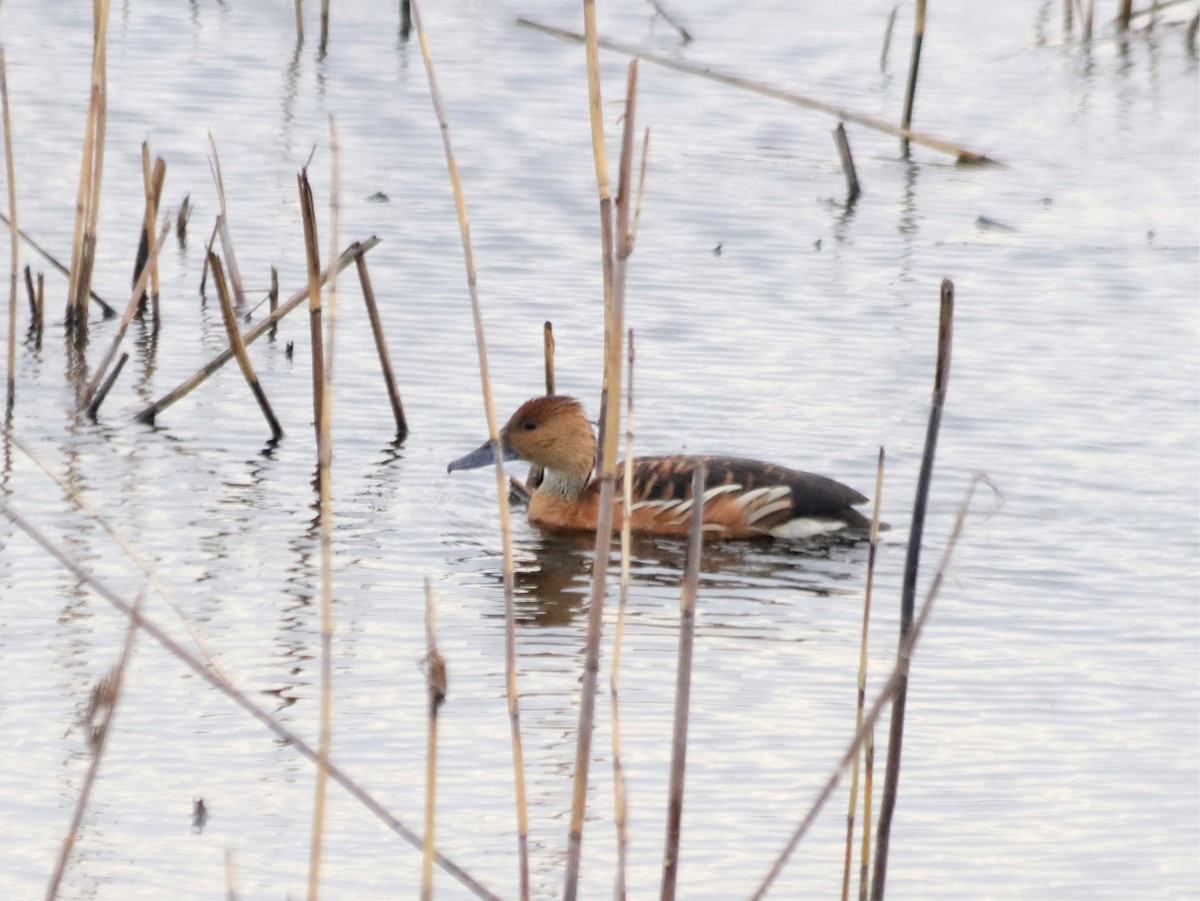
<point>1052,738</point>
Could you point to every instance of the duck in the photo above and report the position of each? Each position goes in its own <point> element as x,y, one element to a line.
<point>743,498</point>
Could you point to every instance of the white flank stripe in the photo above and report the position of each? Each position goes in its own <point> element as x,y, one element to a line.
<point>719,490</point>
<point>806,528</point>
<point>767,510</point>
<point>751,496</point>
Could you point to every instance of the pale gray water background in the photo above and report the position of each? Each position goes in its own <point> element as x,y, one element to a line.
<point>1052,739</point>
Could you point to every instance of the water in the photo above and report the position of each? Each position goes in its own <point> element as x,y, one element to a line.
<point>1052,738</point>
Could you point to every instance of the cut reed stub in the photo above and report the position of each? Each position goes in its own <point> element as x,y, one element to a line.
<point>181,220</point>
<point>853,189</point>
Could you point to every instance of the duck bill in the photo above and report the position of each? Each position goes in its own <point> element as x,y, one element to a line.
<point>482,456</point>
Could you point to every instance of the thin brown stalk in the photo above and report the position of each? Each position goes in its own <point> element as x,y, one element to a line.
<point>93,407</point>
<point>914,63</point>
<point>238,346</point>
<point>312,256</point>
<point>1089,18</point>
<point>253,334</point>
<point>615,257</point>
<point>273,299</point>
<point>324,25</point>
<point>385,362</point>
<point>853,189</point>
<point>98,723</point>
<point>683,687</point>
<point>152,183</point>
<point>15,261</point>
<point>230,876</point>
<point>436,684</point>
<point>670,20</point>
<point>620,799</point>
<point>1124,14</point>
<point>325,492</point>
<point>235,275</point>
<point>40,319</point>
<point>887,806</point>
<point>181,220</point>
<point>963,154</point>
<point>108,311</point>
<point>286,736</point>
<point>887,39</point>
<point>889,692</point>
<point>861,696</point>
<point>299,21</point>
<point>637,208</point>
<point>35,323</point>
<point>510,652</point>
<point>534,476</point>
<point>139,288</point>
<point>208,249</point>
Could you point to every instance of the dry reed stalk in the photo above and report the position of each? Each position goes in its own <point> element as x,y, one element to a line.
<point>98,720</point>
<point>93,407</point>
<point>108,311</point>
<point>1124,14</point>
<point>615,255</point>
<point>131,308</point>
<point>33,301</point>
<point>41,304</point>
<point>221,684</point>
<point>1089,18</point>
<point>962,154</point>
<point>87,201</point>
<point>887,806</point>
<point>181,220</point>
<point>299,21</point>
<point>325,505</point>
<point>230,876</point>
<point>324,26</point>
<point>405,19</point>
<point>534,477</point>
<point>620,800</point>
<point>670,20</point>
<point>853,189</point>
<point>385,362</point>
<point>436,684</point>
<point>152,183</point>
<point>861,698</point>
<point>914,63</point>
<point>208,249</point>
<point>273,300</point>
<point>887,39</point>
<point>683,687</point>
<point>889,691</point>
<point>238,346</point>
<point>510,639</point>
<point>1068,15</point>
<point>15,261</point>
<point>637,209</point>
<point>235,277</point>
<point>312,256</point>
<point>347,257</point>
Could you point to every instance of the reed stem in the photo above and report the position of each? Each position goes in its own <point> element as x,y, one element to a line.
<point>385,363</point>
<point>510,629</point>
<point>963,154</point>
<point>238,346</point>
<point>914,64</point>
<point>312,255</point>
<point>941,378</point>
<point>108,311</point>
<point>887,39</point>
<point>853,189</point>
<point>15,259</point>
<point>683,687</point>
<point>436,684</point>
<point>93,408</point>
<point>186,387</point>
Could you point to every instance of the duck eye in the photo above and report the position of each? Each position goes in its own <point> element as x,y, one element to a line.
<point>529,425</point>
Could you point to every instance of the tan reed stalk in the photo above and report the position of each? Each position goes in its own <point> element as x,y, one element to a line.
<point>299,21</point>
<point>683,687</point>
<point>887,806</point>
<point>534,477</point>
<point>861,697</point>
<point>93,408</point>
<point>436,683</point>
<point>273,300</point>
<point>15,262</point>
<point>197,378</point>
<point>887,39</point>
<point>208,249</point>
<point>510,629</point>
<point>88,199</point>
<point>238,346</point>
<point>614,318</point>
<point>325,501</point>
<point>312,256</point>
<point>217,681</point>
<point>914,63</point>
<point>230,876</point>
<point>853,189</point>
<point>139,288</point>
<point>1124,14</point>
<point>108,311</point>
<point>152,180</point>
<point>670,20</point>
<point>864,856</point>
<point>33,304</point>
<point>235,276</point>
<point>40,318</point>
<point>963,154</point>
<point>181,220</point>
<point>1068,15</point>
<point>620,800</point>
<point>637,208</point>
<point>98,720</point>
<point>324,25</point>
<point>1089,18</point>
<point>890,690</point>
<point>385,362</point>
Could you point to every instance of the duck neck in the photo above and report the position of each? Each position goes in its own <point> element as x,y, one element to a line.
<point>567,483</point>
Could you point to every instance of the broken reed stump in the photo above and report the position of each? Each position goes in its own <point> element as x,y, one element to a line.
<point>887,38</point>
<point>15,261</point>
<point>235,277</point>
<point>273,301</point>
<point>381,349</point>
<point>93,408</point>
<point>914,64</point>
<point>152,184</point>
<point>534,477</point>
<point>312,256</point>
<point>107,311</point>
<point>853,189</point>
<point>941,378</point>
<point>148,414</point>
<point>36,322</point>
<point>239,347</point>
<point>181,220</point>
<point>436,686</point>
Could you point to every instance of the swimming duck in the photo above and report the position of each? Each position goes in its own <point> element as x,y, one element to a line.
<point>742,498</point>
